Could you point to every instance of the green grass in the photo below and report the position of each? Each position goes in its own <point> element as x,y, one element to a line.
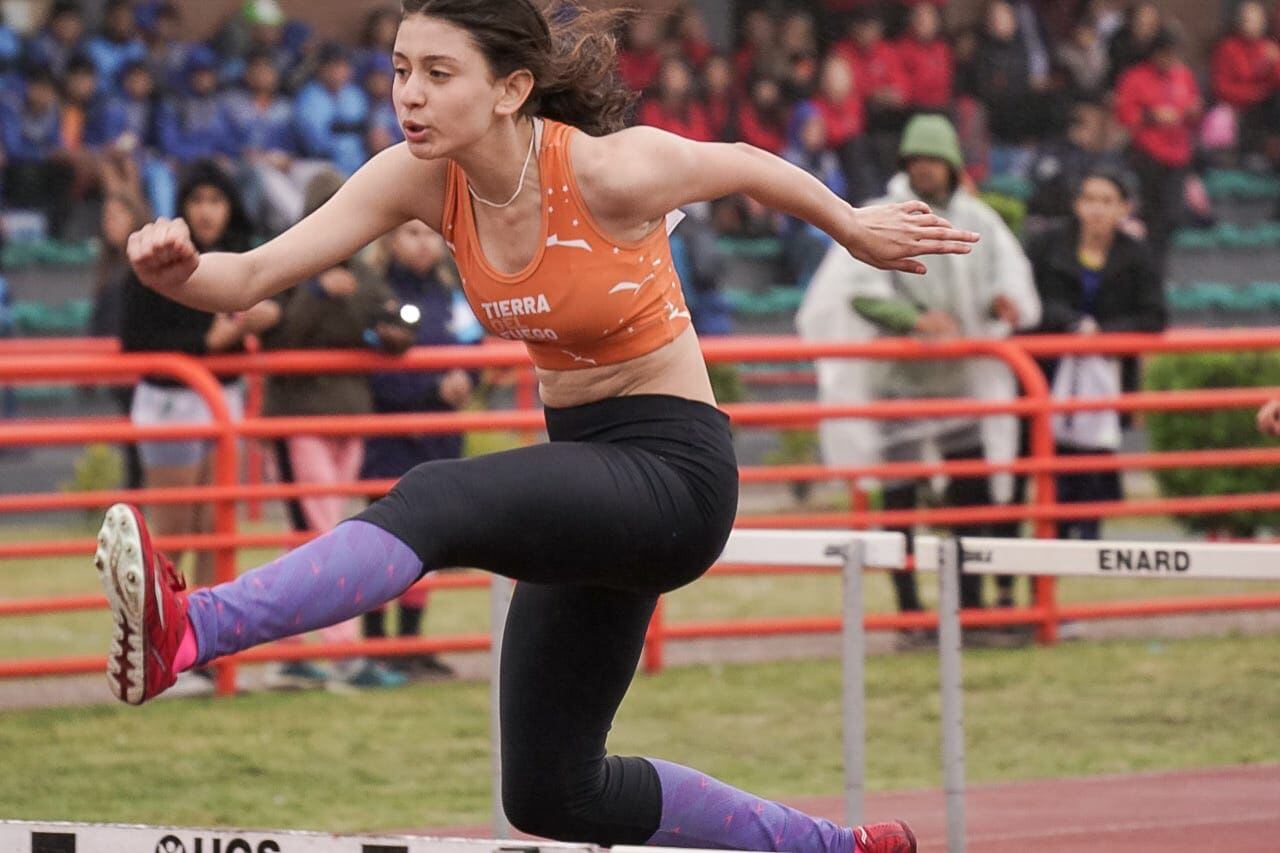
<point>418,757</point>
<point>465,610</point>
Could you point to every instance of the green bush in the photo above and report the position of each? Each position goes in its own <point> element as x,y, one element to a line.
<point>99,468</point>
<point>1214,429</point>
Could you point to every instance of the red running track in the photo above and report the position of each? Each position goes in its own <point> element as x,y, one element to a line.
<point>1234,809</point>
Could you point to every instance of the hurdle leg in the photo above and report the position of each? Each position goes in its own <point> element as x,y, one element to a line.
<point>500,589</point>
<point>853,662</point>
<point>951,682</point>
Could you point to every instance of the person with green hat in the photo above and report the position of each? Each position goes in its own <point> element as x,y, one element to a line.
<point>988,293</point>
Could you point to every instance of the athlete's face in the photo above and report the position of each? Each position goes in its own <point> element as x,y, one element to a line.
<point>445,94</point>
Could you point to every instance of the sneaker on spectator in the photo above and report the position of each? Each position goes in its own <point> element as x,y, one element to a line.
<point>373,674</point>
<point>427,667</point>
<point>297,675</point>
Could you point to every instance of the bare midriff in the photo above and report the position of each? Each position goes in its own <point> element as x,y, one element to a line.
<point>677,370</point>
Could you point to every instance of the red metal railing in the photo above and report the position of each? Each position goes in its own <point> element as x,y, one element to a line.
<point>98,361</point>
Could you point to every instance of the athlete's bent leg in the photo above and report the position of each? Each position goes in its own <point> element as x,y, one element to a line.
<point>569,654</point>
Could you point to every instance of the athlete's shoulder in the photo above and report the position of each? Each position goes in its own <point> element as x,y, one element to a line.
<point>617,166</point>
<point>413,185</point>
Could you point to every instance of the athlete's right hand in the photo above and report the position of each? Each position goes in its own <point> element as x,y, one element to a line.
<point>163,254</point>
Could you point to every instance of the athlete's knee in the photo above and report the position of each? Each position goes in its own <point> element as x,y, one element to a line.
<point>426,510</point>
<point>539,810</point>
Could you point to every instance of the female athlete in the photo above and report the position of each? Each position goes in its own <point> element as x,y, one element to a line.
<point>557,217</point>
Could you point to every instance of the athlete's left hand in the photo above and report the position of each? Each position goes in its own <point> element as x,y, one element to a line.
<point>891,236</point>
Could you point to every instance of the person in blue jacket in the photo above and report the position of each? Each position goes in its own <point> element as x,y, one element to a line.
<point>190,125</point>
<point>376,76</point>
<point>123,130</point>
<point>10,56</point>
<point>37,175</point>
<point>426,287</point>
<point>118,44</point>
<point>331,113</point>
<point>61,38</point>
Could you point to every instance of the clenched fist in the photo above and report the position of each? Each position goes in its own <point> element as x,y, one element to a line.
<point>163,254</point>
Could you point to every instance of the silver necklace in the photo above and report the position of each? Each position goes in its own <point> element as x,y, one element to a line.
<point>533,139</point>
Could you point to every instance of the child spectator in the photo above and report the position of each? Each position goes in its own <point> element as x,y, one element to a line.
<point>1132,42</point>
<point>334,310</point>
<point>804,246</point>
<point>378,38</point>
<point>124,130</point>
<point>1246,75</point>
<point>167,52</point>
<point>759,52</point>
<point>881,81</point>
<point>190,125</point>
<point>422,280</point>
<point>1001,79</point>
<point>61,38</point>
<point>691,32</point>
<point>260,125</point>
<point>673,107</point>
<point>840,105</point>
<point>1158,102</point>
<point>37,174</point>
<point>927,64</point>
<point>331,113</point>
<point>79,101</point>
<point>1084,61</point>
<point>260,27</point>
<point>640,60</point>
<point>720,98</point>
<point>763,117</point>
<point>118,44</point>
<point>377,76</point>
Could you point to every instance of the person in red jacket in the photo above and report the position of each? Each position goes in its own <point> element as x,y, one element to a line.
<point>1246,74</point>
<point>927,64</point>
<point>640,59</point>
<point>673,106</point>
<point>1158,102</point>
<point>764,116</point>
<point>839,103</point>
<point>720,96</point>
<point>690,30</point>
<point>882,82</point>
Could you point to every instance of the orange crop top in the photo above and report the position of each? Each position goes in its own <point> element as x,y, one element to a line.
<point>585,299</point>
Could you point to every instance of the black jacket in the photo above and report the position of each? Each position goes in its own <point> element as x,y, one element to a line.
<point>1130,296</point>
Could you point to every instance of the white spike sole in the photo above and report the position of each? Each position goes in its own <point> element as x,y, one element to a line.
<point>119,564</point>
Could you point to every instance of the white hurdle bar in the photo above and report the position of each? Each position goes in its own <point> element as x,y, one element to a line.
<point>1060,558</point>
<point>32,837</point>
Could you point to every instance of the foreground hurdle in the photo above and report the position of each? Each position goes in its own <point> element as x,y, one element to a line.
<point>854,551</point>
<point>851,550</point>
<point>30,837</point>
<point>991,556</point>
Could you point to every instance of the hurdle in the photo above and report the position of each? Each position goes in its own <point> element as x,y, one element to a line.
<point>32,837</point>
<point>1101,558</point>
<point>852,551</point>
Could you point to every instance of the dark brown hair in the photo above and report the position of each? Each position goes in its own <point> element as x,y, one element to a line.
<point>572,56</point>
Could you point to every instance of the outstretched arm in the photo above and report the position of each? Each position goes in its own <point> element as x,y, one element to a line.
<point>387,191</point>
<point>644,172</point>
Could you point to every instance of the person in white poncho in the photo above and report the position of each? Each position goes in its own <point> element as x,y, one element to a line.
<point>989,293</point>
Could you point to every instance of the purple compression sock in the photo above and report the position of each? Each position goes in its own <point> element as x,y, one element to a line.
<point>698,811</point>
<point>351,569</point>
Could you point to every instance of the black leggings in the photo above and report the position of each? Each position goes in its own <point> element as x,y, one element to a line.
<point>633,497</point>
